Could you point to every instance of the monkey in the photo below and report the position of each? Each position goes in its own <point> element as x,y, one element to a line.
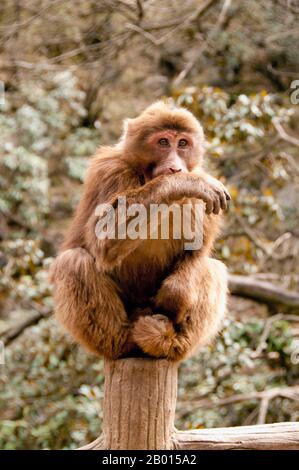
<point>144,297</point>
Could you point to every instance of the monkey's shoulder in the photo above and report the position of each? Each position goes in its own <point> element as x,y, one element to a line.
<point>108,169</point>
<point>107,159</point>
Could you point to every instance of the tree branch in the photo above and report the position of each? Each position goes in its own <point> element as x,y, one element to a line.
<point>262,291</point>
<point>12,333</point>
<point>278,436</point>
<point>283,134</point>
<point>292,393</point>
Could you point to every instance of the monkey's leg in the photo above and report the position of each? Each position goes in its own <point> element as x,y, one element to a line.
<point>88,304</point>
<point>178,292</point>
<point>157,336</point>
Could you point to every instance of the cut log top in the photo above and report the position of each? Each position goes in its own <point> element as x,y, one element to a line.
<point>139,408</point>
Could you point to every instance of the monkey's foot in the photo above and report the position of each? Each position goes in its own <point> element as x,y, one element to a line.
<point>154,334</point>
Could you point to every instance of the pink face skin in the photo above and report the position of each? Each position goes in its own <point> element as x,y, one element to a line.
<point>171,151</point>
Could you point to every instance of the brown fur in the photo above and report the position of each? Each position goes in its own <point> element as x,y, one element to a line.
<point>118,297</point>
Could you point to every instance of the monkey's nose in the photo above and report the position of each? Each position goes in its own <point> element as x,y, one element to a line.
<point>166,171</point>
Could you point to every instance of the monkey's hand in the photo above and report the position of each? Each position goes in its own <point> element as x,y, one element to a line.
<point>200,186</point>
<point>213,193</point>
<point>220,190</point>
<point>154,335</point>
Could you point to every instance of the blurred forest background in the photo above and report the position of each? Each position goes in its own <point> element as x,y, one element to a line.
<point>72,70</point>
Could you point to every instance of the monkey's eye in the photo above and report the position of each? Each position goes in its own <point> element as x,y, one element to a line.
<point>183,143</point>
<point>164,142</point>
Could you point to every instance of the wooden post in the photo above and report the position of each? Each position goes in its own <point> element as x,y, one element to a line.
<point>139,405</point>
<point>139,409</point>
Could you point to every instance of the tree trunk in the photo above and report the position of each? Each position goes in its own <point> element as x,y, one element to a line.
<point>139,409</point>
<point>139,405</point>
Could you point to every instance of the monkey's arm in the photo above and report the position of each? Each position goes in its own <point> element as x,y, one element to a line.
<point>164,189</point>
<point>171,188</point>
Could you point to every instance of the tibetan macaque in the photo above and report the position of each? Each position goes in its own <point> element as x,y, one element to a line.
<point>127,296</point>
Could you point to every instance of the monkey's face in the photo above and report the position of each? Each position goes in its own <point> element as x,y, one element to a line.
<point>168,151</point>
<point>164,139</point>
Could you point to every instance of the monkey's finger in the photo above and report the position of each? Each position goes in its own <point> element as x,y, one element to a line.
<point>209,204</point>
<point>223,189</point>
<point>227,195</point>
<point>223,201</point>
<point>205,197</point>
<point>216,208</point>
